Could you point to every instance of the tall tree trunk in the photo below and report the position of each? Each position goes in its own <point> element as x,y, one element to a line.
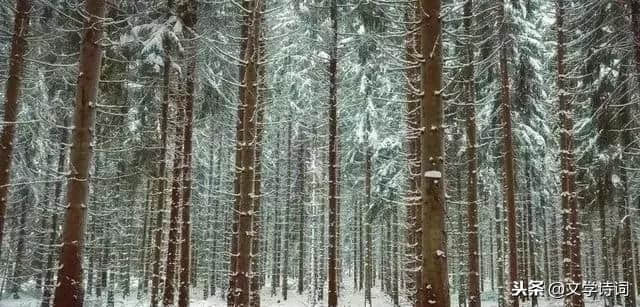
<point>626,140</point>
<point>14,83</point>
<point>368,219</point>
<point>70,291</point>
<point>143,283</point>
<point>244,32</point>
<point>18,265</point>
<point>435,278</point>
<point>242,273</point>
<point>161,176</point>
<point>259,262</point>
<point>509,167</point>
<point>187,11</point>
<point>531,233</point>
<point>499,222</point>
<point>277,235</point>
<point>333,159</point>
<point>546,262</point>
<point>472,181</point>
<point>571,235</point>
<point>174,219</point>
<point>301,217</point>
<point>414,211</point>
<point>287,214</point>
<point>396,264</point>
<point>53,235</point>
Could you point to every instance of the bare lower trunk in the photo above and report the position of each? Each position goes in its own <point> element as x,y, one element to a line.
<point>187,12</point>
<point>472,181</point>
<point>14,83</point>
<point>435,277</point>
<point>174,214</point>
<point>333,160</point>
<point>242,273</point>
<point>162,180</point>
<point>414,211</point>
<point>509,167</point>
<point>70,291</point>
<point>571,234</point>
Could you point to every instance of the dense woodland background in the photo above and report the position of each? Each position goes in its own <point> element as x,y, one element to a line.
<point>324,152</point>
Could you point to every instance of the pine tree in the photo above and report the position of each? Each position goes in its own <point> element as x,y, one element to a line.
<point>70,291</point>
<point>12,94</point>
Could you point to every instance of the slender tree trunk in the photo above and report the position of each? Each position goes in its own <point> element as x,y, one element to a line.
<point>368,218</point>
<point>499,221</point>
<point>244,32</point>
<point>546,262</point>
<point>142,283</point>
<point>491,255</point>
<point>435,278</point>
<point>174,214</point>
<point>571,232</point>
<point>161,177</point>
<point>472,181</point>
<point>14,83</point>
<point>360,246</point>
<point>626,140</point>
<point>261,92</point>
<point>301,217</point>
<point>53,235</point>
<point>18,265</point>
<point>277,235</point>
<point>243,272</point>
<point>396,265</point>
<point>333,160</point>
<point>414,211</point>
<point>531,234</point>
<point>70,291</point>
<point>509,167</point>
<point>187,11</point>
<point>287,214</point>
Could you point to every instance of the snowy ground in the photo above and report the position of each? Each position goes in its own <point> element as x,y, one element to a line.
<point>349,298</point>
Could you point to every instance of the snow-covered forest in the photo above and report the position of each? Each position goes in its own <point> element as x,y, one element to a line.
<point>247,153</point>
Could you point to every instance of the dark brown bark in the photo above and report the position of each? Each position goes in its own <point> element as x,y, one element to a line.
<point>435,278</point>
<point>472,177</point>
<point>499,222</point>
<point>187,11</point>
<point>531,234</point>
<point>257,201</point>
<point>143,283</point>
<point>277,236</point>
<point>12,93</point>
<point>53,235</point>
<point>369,278</point>
<point>395,259</point>
<point>301,217</point>
<point>287,217</point>
<point>509,167</point>
<point>571,232</point>
<point>414,211</point>
<point>626,141</point>
<point>70,292</point>
<point>333,160</point>
<point>242,273</point>
<point>244,30</point>
<point>174,213</point>
<point>161,177</point>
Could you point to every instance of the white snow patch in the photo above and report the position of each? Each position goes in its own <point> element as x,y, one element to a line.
<point>433,174</point>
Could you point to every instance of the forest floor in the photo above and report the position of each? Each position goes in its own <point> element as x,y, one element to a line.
<point>349,298</point>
